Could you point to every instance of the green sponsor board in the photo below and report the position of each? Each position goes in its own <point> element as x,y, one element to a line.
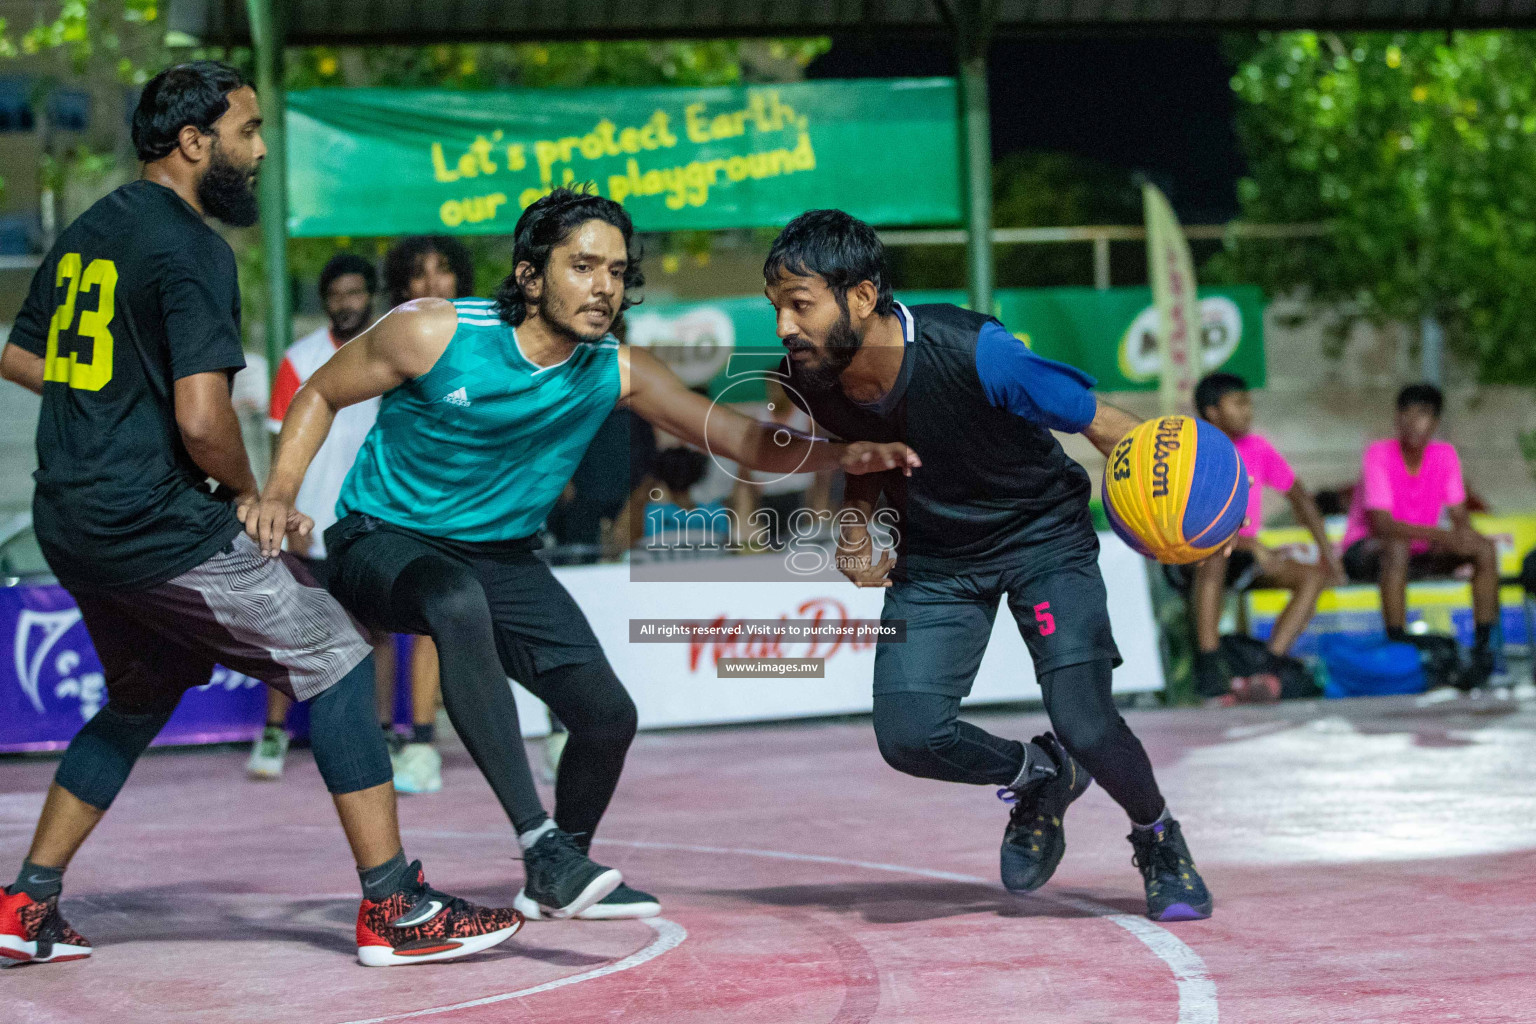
<point>394,161</point>
<point>726,343</point>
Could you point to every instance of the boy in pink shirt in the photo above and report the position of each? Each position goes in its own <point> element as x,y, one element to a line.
<point>1222,399</point>
<point>1408,485</point>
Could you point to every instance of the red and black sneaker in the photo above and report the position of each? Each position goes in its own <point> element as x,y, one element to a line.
<point>418,924</point>
<point>37,932</point>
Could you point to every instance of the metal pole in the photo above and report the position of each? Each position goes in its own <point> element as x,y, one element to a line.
<point>1101,263</point>
<point>267,40</point>
<point>976,160</point>
<point>1431,351</point>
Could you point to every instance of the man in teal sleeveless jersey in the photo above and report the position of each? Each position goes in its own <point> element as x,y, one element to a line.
<point>487,409</point>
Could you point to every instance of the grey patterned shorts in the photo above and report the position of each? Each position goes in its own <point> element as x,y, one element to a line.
<point>264,617</point>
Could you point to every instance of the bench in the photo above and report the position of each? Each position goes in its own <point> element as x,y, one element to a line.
<point>1442,605</point>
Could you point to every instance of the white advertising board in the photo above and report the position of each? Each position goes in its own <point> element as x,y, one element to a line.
<point>677,684</point>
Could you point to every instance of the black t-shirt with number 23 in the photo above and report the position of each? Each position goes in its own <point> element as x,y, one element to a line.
<point>137,293</point>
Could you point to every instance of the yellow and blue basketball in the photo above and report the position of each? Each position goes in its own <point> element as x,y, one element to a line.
<point>1175,489</point>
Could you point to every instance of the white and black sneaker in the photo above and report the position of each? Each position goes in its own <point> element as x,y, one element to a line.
<point>561,880</point>
<point>623,904</point>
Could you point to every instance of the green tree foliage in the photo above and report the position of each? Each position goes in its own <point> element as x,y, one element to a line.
<point>84,33</point>
<point>1421,152</point>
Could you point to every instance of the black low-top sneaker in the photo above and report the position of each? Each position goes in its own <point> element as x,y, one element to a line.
<point>35,931</point>
<point>622,904</point>
<point>561,880</point>
<point>418,924</point>
<point>1175,890</point>
<point>1035,840</point>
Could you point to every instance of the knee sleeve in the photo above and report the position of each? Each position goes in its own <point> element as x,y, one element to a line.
<point>344,734</point>
<point>102,754</point>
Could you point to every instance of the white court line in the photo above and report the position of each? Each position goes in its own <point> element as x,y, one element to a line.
<point>1197,991</point>
<point>669,934</point>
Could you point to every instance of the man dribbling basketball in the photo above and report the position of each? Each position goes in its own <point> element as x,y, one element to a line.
<point>997,507</point>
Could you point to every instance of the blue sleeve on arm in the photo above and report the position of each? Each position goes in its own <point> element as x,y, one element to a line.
<point>1040,390</point>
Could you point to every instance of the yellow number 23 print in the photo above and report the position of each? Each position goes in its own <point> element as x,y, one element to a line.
<point>67,367</point>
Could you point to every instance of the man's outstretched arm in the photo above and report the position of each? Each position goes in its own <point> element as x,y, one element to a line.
<point>656,394</point>
<point>404,344</point>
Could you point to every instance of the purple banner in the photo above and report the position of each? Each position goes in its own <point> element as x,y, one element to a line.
<point>52,682</point>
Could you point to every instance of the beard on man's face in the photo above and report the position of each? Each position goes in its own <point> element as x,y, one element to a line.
<point>347,322</point>
<point>842,345</point>
<point>225,191</point>
<point>568,317</point>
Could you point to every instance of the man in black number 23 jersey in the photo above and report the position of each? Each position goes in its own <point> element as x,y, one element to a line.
<point>996,507</point>
<point>131,334</point>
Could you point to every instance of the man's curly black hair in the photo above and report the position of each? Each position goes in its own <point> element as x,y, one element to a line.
<point>403,262</point>
<point>549,222</point>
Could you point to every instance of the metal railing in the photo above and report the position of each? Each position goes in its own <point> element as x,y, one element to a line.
<point>1100,235</point>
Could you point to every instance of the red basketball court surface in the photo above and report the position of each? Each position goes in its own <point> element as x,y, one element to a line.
<point>1372,861</point>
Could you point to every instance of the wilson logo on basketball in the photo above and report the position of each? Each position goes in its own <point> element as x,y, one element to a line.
<point>1164,445</point>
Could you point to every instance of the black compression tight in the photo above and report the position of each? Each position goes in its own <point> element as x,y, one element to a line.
<point>445,596</point>
<point>921,734</point>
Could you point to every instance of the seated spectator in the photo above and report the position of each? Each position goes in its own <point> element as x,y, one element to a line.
<point>1222,399</point>
<point>673,521</point>
<point>1410,486</point>
<point>616,465</point>
<point>780,497</point>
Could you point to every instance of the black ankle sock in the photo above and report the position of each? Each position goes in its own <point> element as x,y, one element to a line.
<point>1482,636</point>
<point>379,883</point>
<point>38,882</point>
<point>1397,634</point>
<point>424,733</point>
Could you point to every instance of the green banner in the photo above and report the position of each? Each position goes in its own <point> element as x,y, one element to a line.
<point>1110,334</point>
<point>395,161</point>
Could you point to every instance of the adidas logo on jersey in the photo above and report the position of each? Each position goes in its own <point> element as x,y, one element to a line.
<point>459,397</point>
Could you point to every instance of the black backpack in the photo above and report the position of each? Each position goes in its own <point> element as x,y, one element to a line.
<point>1439,657</point>
<point>1245,656</point>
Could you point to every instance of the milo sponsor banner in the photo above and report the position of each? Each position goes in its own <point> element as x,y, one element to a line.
<point>408,161</point>
<point>1113,334</point>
